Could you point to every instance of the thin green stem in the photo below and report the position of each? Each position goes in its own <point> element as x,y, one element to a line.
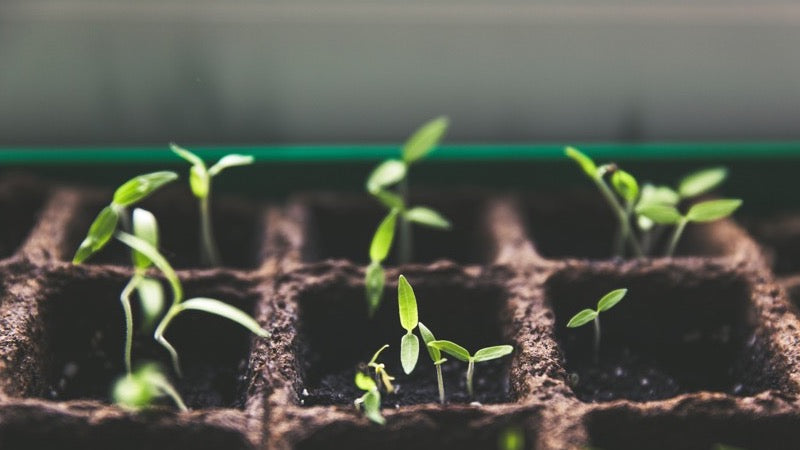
<point>172,393</point>
<point>440,380</point>
<point>597,339</point>
<point>209,255</point>
<point>158,335</point>
<point>406,245</point>
<point>470,373</point>
<point>622,217</point>
<point>676,235</point>
<point>125,299</point>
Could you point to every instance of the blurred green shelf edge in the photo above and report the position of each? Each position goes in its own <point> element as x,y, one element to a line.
<point>353,153</point>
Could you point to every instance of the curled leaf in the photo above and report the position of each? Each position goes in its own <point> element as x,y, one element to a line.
<point>625,185</point>
<point>213,306</point>
<point>145,227</point>
<point>365,382</point>
<point>586,163</point>
<point>229,161</point>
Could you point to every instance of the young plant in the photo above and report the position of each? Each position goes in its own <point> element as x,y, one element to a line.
<point>150,291</point>
<point>436,357</point>
<point>590,315</point>
<point>179,305</point>
<point>625,185</point>
<point>381,375</point>
<point>380,184</point>
<point>370,402</point>
<point>460,353</point>
<point>409,318</point>
<point>139,389</point>
<point>105,224</point>
<point>707,211</point>
<point>200,181</point>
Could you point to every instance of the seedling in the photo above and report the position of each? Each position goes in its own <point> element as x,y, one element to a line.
<point>200,181</point>
<point>370,402</point>
<point>460,353</point>
<point>139,389</point>
<point>151,294</point>
<point>387,175</point>
<point>381,375</point>
<point>707,211</point>
<point>105,224</point>
<point>208,305</point>
<point>409,318</point>
<point>436,357</point>
<point>590,315</point>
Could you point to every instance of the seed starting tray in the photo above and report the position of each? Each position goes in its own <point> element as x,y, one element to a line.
<point>703,350</point>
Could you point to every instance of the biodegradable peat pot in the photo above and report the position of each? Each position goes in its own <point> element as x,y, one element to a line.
<point>702,351</point>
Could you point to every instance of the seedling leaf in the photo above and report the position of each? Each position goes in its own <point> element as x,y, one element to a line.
<point>702,181</point>
<point>386,174</point>
<point>427,338</point>
<point>390,199</point>
<point>372,407</point>
<point>425,139</point>
<point>225,310</point>
<point>138,188</point>
<point>384,235</point>
<point>365,382</point>
<point>99,234</point>
<point>713,210</point>
<point>658,194</point>
<point>151,297</point>
<point>232,160</point>
<point>158,260</point>
<point>663,214</point>
<point>145,227</point>
<point>199,181</point>
<point>187,155</point>
<point>582,318</point>
<point>625,185</point>
<point>489,353</point>
<point>609,300</point>
<point>378,353</point>
<point>452,349</point>
<point>407,304</point>
<point>586,163</point>
<point>427,216</point>
<point>374,282</point>
<point>409,352</point>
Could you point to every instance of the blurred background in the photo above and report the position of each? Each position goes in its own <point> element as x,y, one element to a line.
<point>95,72</point>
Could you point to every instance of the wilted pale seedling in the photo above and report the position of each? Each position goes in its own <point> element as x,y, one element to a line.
<point>460,353</point>
<point>590,315</point>
<point>105,224</point>
<point>142,387</point>
<point>200,181</point>
<point>208,305</point>
<point>390,173</point>
<point>436,357</point>
<point>407,305</point>
<point>381,375</point>
<point>370,402</point>
<point>707,211</point>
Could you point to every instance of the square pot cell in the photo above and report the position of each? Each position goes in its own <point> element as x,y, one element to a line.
<point>426,430</point>
<point>21,202</point>
<point>678,330</point>
<point>335,337</point>
<point>84,342</point>
<point>238,230</point>
<point>342,227</point>
<point>707,430</point>
<point>579,224</point>
<point>781,238</point>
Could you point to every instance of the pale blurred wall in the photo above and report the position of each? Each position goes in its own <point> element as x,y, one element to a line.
<point>247,71</point>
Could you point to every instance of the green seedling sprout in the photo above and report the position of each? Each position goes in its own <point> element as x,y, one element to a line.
<point>707,211</point>
<point>200,181</point>
<point>381,375</point>
<point>179,305</point>
<point>409,318</point>
<point>150,291</point>
<point>387,175</point>
<point>627,188</point>
<point>370,402</point>
<point>106,223</point>
<point>139,389</point>
<point>460,353</point>
<point>436,357</point>
<point>590,315</point>
<point>512,438</point>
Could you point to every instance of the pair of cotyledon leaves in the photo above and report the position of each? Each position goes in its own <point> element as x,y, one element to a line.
<point>607,302</point>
